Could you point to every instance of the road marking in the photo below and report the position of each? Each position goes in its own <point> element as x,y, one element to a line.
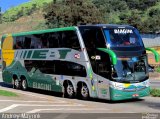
<point>67,109</point>
<point>31,105</point>
<point>29,101</point>
<point>8,108</point>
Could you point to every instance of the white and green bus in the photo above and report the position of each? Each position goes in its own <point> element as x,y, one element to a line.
<point>99,61</point>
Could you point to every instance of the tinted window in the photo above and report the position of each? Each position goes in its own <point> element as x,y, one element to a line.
<point>93,38</point>
<point>70,40</point>
<point>100,61</point>
<point>123,37</point>
<point>56,67</point>
<point>18,42</point>
<point>70,69</point>
<point>65,39</point>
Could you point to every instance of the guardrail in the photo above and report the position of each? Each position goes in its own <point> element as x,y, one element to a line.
<point>151,40</point>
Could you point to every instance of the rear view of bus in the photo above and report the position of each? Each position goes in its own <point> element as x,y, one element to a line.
<point>122,60</point>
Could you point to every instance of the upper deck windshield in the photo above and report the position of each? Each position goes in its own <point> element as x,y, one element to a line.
<point>123,37</point>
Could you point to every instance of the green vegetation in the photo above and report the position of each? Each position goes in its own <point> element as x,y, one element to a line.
<point>158,69</point>
<point>7,93</point>
<point>25,9</point>
<point>143,14</point>
<point>71,12</point>
<point>155,92</point>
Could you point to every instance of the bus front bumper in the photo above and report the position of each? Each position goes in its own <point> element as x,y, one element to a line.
<point>116,95</point>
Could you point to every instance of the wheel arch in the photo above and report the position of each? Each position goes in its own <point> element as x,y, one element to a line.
<point>14,76</point>
<point>23,77</point>
<point>83,82</point>
<point>69,80</point>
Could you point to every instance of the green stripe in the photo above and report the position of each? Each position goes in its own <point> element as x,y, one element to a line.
<point>24,54</point>
<point>21,54</point>
<point>29,54</point>
<point>43,31</point>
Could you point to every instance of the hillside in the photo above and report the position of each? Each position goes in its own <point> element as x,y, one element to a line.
<point>25,23</point>
<point>24,9</point>
<point>29,16</point>
<point>33,21</point>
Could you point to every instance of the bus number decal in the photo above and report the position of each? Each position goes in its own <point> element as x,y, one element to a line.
<point>122,31</point>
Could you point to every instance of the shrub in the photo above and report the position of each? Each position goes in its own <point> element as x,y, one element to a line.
<point>158,69</point>
<point>155,92</point>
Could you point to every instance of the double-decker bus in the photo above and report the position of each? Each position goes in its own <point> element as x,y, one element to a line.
<point>99,61</point>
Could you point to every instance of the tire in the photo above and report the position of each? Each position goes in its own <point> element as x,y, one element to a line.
<point>84,92</point>
<point>69,90</point>
<point>16,84</point>
<point>24,84</point>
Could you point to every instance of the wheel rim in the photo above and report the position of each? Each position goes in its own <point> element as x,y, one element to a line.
<point>70,90</point>
<point>84,91</point>
<point>24,84</point>
<point>16,83</point>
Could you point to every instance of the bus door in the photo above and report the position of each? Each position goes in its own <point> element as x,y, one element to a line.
<point>103,80</point>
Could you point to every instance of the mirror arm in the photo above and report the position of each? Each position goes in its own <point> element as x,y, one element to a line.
<point>156,55</point>
<point>111,54</point>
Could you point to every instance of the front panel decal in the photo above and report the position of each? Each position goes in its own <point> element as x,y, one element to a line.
<point>7,50</point>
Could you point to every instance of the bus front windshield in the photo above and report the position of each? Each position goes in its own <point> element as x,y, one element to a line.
<point>123,37</point>
<point>130,69</point>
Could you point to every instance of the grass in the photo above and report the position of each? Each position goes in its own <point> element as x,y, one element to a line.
<point>158,69</point>
<point>25,23</point>
<point>155,92</point>
<point>7,93</point>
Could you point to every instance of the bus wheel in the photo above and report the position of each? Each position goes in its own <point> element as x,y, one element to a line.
<point>16,84</point>
<point>24,84</point>
<point>84,92</point>
<point>69,90</point>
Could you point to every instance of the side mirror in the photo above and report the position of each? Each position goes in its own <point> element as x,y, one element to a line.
<point>156,55</point>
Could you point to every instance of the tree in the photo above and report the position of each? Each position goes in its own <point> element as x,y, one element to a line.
<point>111,9</point>
<point>140,4</point>
<point>0,15</point>
<point>71,12</point>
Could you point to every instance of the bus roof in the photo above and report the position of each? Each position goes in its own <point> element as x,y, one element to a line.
<point>108,26</point>
<point>68,29</point>
<point>41,31</point>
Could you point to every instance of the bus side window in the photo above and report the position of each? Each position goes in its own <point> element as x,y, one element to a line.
<point>18,43</point>
<point>54,39</point>
<point>44,43</point>
<point>70,40</point>
<point>27,42</point>
<point>36,41</point>
<point>69,69</point>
